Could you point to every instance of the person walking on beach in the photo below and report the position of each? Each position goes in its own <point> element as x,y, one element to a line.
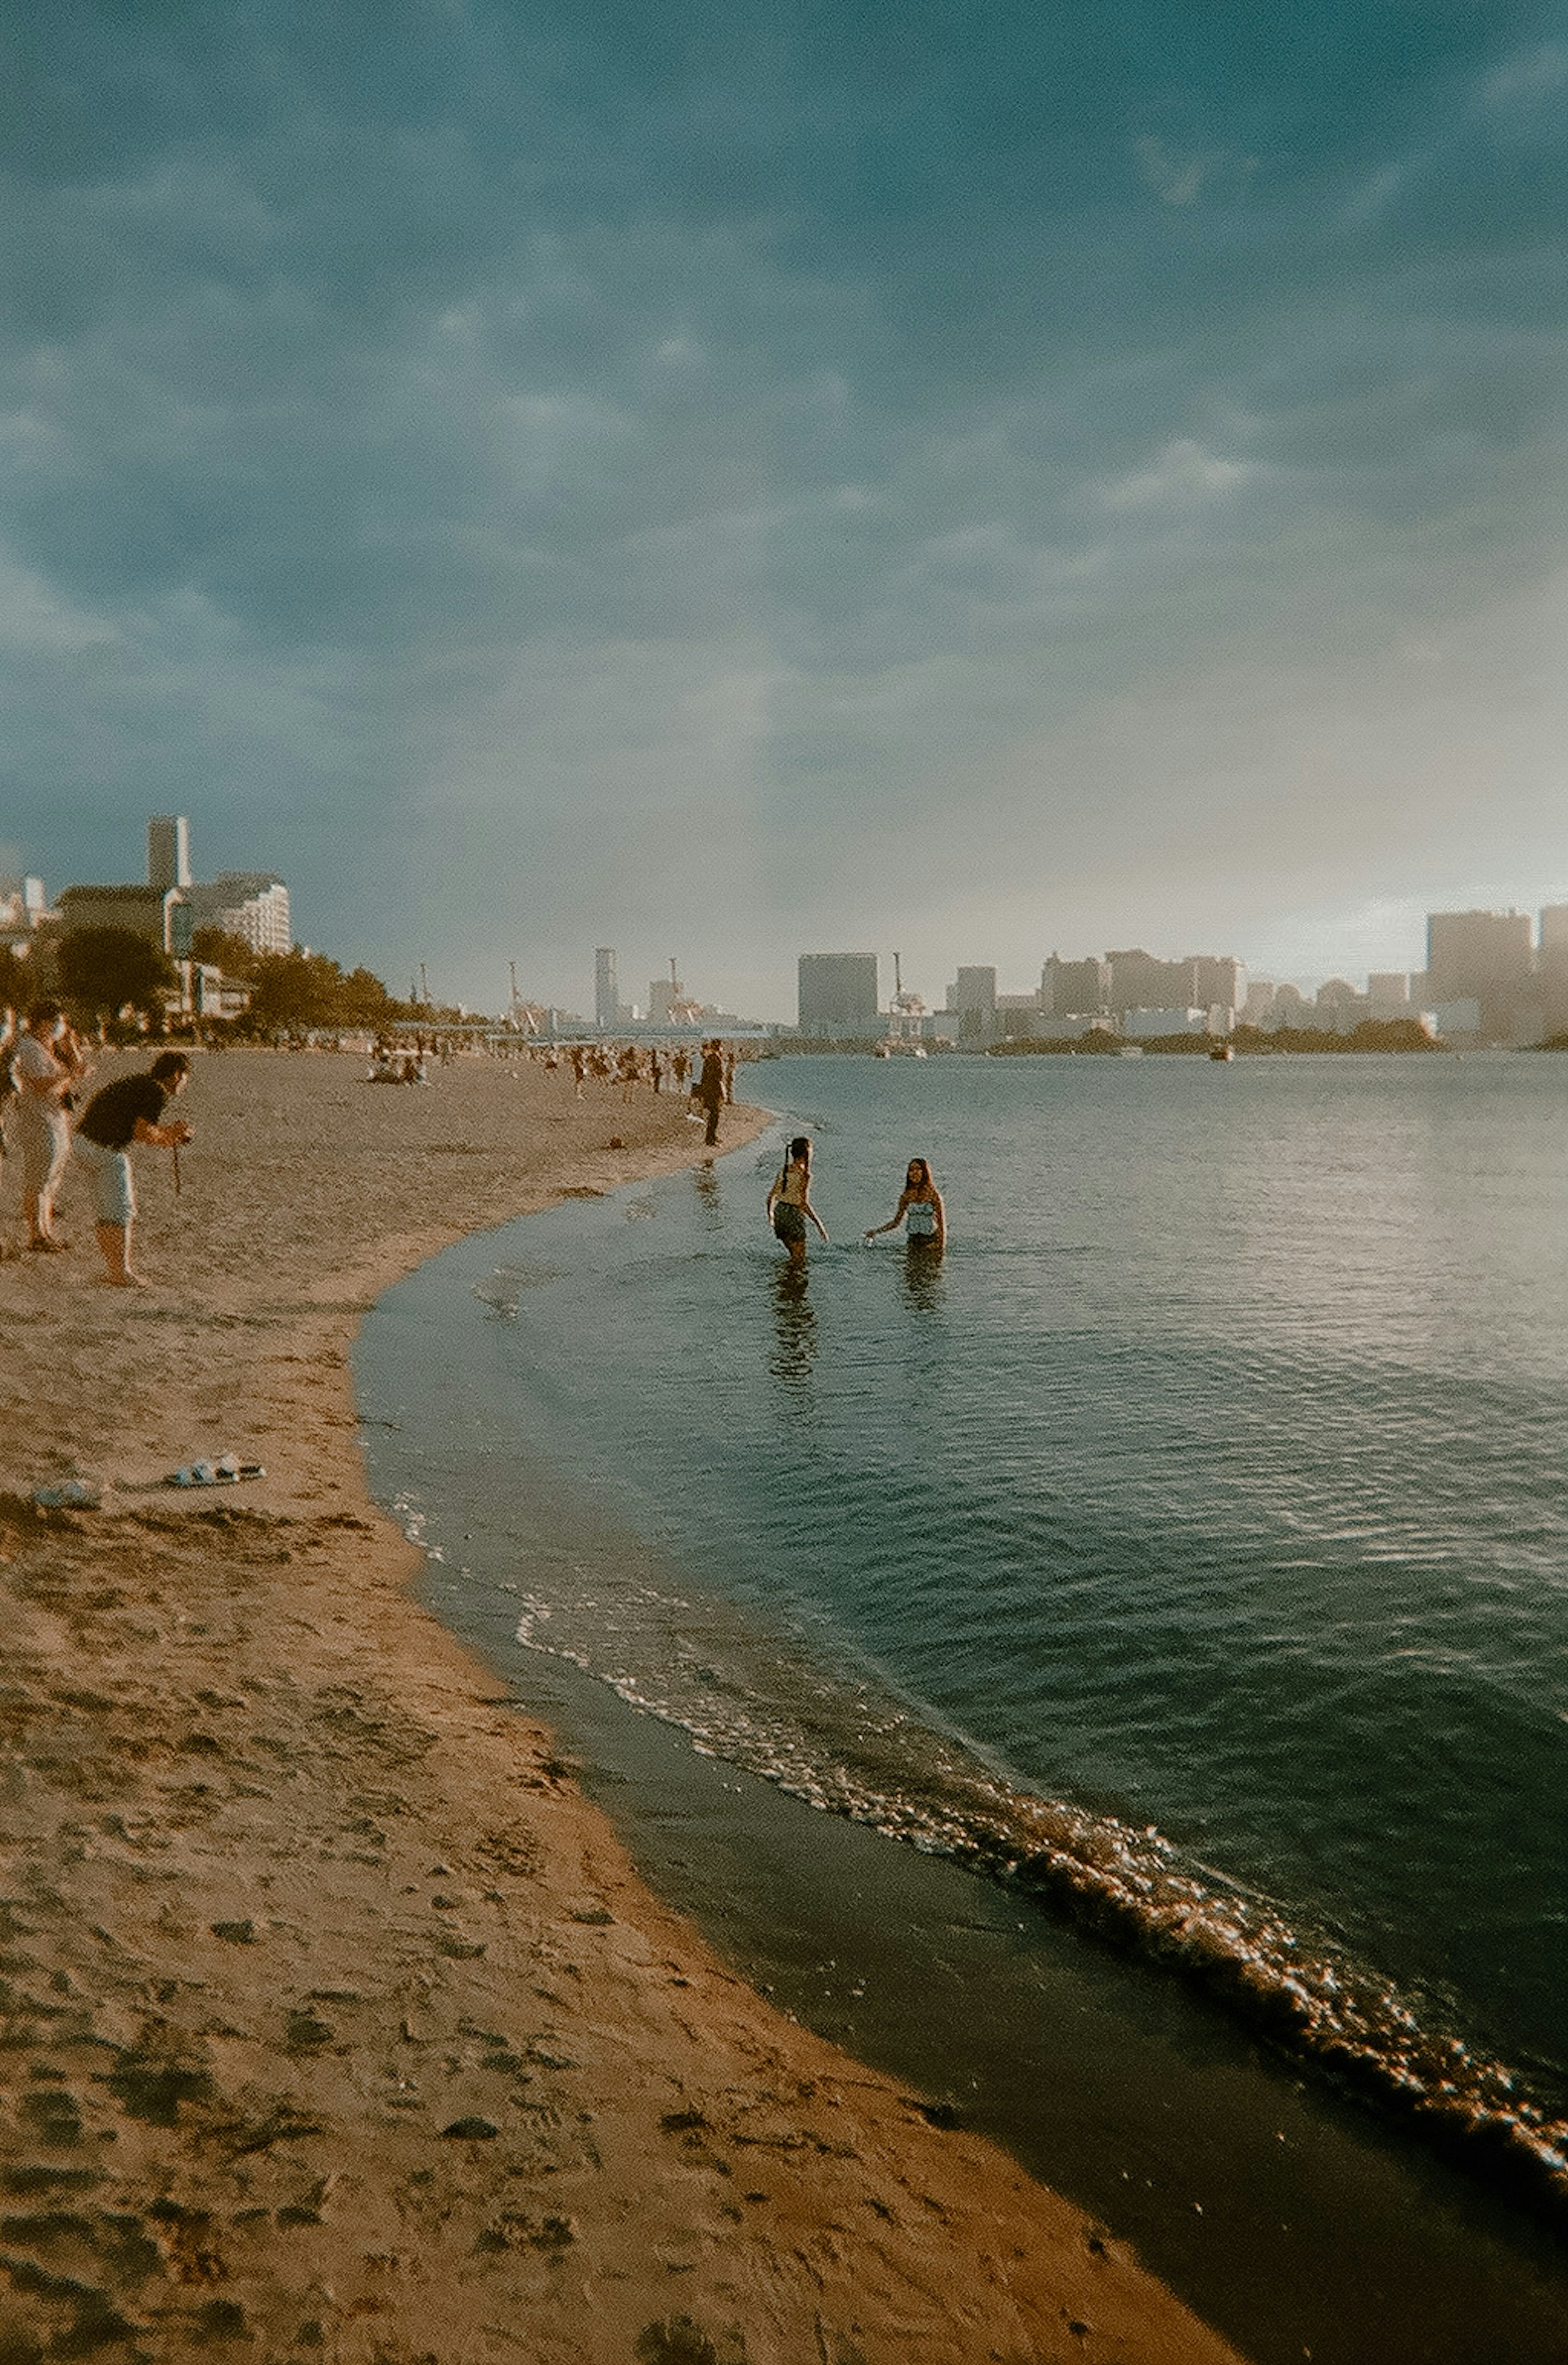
<point>129,1111</point>
<point>44,1066</point>
<point>710,1088</point>
<point>919,1210</point>
<point>789,1201</point>
<point>8,1096</point>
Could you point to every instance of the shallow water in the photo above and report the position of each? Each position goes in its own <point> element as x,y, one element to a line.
<point>1188,1544</point>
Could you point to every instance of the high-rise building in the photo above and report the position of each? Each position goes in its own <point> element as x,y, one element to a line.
<point>1074,989</point>
<point>1551,968</point>
<point>251,904</point>
<point>973,997</point>
<point>1216,978</point>
<point>838,996</point>
<point>1484,956</point>
<point>168,852</point>
<point>606,988</point>
<point>1138,981</point>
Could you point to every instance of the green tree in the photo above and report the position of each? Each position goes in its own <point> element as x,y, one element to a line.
<point>233,954</point>
<point>18,985</point>
<point>103,969</point>
<point>363,1001</point>
<point>294,991</point>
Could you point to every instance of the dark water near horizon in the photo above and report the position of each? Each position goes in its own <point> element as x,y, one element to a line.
<point>1186,1548</point>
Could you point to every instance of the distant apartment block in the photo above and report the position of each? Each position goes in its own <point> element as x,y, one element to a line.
<point>837,996</point>
<point>1154,1025</point>
<point>1488,958</point>
<point>250,905</point>
<point>1199,981</point>
<point>972,996</point>
<point>1073,989</point>
<point>162,914</point>
<point>1216,980</point>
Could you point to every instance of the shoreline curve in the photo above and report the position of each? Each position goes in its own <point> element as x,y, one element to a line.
<point>337,2019</point>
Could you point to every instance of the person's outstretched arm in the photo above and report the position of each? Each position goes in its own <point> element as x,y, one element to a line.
<point>894,1220</point>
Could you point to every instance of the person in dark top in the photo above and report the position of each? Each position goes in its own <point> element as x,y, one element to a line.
<point>129,1111</point>
<point>710,1088</point>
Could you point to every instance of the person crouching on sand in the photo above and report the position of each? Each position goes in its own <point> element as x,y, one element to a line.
<point>789,1201</point>
<point>129,1111</point>
<point>919,1210</point>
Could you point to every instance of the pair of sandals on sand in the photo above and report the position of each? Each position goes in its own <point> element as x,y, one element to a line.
<point>86,1494</point>
<point>226,1471</point>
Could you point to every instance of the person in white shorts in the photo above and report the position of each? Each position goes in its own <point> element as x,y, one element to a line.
<point>129,1111</point>
<point>44,1065</point>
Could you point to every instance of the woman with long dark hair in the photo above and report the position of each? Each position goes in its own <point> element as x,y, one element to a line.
<point>789,1201</point>
<point>919,1210</point>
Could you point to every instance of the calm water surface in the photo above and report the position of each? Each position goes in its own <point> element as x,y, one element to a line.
<point>1189,1543</point>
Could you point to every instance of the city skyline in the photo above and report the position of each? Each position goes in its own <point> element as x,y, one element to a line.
<point>784,483</point>
<point>1542,930</point>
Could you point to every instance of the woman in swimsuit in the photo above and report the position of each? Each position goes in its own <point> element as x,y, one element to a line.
<point>919,1209</point>
<point>789,1201</point>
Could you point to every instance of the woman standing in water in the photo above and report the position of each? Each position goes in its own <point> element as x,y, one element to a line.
<point>919,1210</point>
<point>789,1200</point>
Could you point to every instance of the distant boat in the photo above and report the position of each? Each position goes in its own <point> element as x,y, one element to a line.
<point>1222,1051</point>
<point>898,1048</point>
<point>1130,1051</point>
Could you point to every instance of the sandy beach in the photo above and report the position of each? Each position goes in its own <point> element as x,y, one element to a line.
<point>337,2023</point>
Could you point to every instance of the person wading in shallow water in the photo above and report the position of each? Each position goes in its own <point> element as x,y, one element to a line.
<point>130,1110</point>
<point>919,1210</point>
<point>789,1201</point>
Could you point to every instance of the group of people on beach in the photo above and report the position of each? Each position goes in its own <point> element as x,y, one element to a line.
<point>919,1209</point>
<point>43,1061</point>
<point>711,1077</point>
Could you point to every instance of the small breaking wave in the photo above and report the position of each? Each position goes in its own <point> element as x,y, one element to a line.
<point>848,1746</point>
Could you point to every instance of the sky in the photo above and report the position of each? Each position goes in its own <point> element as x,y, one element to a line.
<point>726,481</point>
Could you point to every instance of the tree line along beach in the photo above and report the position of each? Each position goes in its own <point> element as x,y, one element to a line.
<point>337,2022</point>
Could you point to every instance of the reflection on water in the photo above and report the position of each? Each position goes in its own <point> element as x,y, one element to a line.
<point>794,1334</point>
<point>705,1184</point>
<point>922,1278</point>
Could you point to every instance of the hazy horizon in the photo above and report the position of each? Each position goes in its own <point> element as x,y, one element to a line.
<point>985,485</point>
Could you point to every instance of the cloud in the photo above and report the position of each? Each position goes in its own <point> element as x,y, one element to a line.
<point>506,467</point>
<point>1180,179</point>
<point>1529,76</point>
<point>1182,475</point>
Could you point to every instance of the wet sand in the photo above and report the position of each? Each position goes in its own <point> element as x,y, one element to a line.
<point>337,2023</point>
